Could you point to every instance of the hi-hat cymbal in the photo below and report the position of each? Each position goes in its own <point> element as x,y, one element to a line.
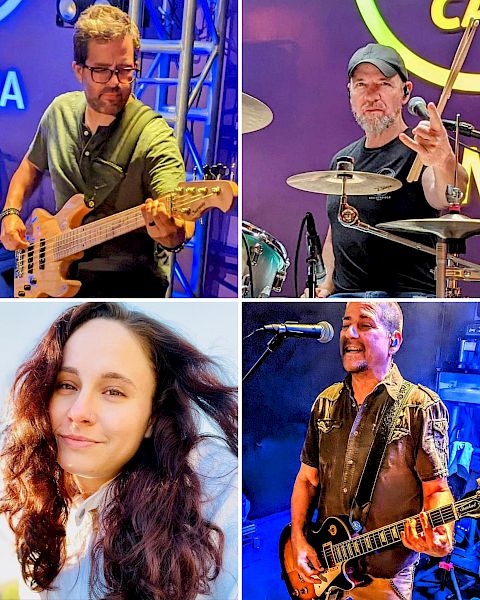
<point>451,226</point>
<point>357,182</point>
<point>255,114</point>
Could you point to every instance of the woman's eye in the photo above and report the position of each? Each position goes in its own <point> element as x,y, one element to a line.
<point>114,392</point>
<point>64,385</point>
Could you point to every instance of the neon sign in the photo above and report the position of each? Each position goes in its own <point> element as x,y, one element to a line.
<point>453,23</point>
<point>11,91</point>
<point>429,71</point>
<point>7,7</point>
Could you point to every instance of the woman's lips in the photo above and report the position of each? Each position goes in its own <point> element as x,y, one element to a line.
<point>77,441</point>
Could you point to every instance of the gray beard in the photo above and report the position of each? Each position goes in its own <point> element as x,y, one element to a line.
<point>375,125</point>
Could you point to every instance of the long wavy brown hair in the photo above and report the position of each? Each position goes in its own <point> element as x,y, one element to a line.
<point>156,543</point>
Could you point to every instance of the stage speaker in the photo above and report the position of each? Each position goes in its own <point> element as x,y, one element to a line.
<point>68,11</point>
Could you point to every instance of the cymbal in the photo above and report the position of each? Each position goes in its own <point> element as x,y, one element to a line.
<point>451,226</point>
<point>255,114</point>
<point>330,182</point>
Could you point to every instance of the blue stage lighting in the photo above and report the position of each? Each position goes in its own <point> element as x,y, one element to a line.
<point>68,11</point>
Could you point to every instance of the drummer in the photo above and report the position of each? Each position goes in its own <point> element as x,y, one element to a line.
<point>360,264</point>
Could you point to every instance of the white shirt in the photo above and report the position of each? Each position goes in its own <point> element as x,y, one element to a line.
<point>217,468</point>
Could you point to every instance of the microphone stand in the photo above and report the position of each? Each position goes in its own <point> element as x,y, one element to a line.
<point>466,129</point>
<point>312,266</point>
<point>272,345</point>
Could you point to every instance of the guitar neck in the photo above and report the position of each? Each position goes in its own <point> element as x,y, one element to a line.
<point>390,534</point>
<point>97,232</point>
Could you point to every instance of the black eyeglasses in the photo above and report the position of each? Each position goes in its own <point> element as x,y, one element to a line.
<point>103,74</point>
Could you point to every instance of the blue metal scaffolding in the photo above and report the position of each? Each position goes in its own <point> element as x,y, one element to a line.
<point>182,55</point>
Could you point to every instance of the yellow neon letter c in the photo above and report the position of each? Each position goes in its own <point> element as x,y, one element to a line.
<point>437,13</point>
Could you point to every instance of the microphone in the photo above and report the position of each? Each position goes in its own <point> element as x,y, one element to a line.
<point>322,331</point>
<point>418,108</point>
<point>314,241</point>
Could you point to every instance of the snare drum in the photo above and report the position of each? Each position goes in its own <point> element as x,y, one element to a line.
<point>265,262</point>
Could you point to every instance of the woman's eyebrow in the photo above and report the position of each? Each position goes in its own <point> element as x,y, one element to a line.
<point>106,375</point>
<point>66,369</point>
<point>118,376</point>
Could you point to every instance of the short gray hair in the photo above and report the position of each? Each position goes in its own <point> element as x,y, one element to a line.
<point>390,315</point>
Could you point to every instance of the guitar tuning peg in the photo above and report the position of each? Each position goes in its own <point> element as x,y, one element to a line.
<point>233,166</point>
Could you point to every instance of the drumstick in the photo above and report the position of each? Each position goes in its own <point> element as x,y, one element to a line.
<point>457,63</point>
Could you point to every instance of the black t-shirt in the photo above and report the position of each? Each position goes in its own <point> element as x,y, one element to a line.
<point>365,262</point>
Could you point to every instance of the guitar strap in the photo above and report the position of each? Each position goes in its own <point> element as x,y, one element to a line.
<point>108,169</point>
<point>391,411</point>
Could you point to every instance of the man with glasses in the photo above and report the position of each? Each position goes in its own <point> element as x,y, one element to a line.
<point>104,143</point>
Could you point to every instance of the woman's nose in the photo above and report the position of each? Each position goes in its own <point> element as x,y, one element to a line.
<point>83,408</point>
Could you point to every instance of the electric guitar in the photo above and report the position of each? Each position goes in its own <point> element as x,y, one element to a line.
<point>55,241</point>
<point>335,546</point>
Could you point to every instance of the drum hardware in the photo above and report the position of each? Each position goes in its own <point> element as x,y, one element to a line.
<point>255,114</point>
<point>332,182</point>
<point>255,252</point>
<point>452,228</point>
<point>265,262</point>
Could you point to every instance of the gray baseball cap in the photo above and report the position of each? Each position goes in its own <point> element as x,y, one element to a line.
<point>384,58</point>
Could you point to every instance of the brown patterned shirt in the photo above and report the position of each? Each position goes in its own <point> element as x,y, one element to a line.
<point>338,440</point>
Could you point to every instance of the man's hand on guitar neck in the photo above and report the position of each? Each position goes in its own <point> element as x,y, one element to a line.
<point>435,541</point>
<point>13,233</point>
<point>432,541</point>
<point>168,231</point>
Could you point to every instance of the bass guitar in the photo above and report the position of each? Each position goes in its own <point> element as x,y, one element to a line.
<point>55,241</point>
<point>335,544</point>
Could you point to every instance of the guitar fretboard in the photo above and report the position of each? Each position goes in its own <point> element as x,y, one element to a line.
<point>390,534</point>
<point>91,234</point>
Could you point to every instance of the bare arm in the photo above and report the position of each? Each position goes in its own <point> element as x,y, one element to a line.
<point>436,179</point>
<point>304,490</point>
<point>436,541</point>
<point>24,181</point>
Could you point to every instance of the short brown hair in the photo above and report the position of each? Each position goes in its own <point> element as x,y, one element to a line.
<point>102,22</point>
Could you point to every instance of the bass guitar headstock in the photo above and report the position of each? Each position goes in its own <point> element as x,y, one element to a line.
<point>193,198</point>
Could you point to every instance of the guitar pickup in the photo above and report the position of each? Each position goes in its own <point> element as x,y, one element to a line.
<point>41,254</point>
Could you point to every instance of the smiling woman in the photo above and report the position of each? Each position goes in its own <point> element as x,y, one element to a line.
<point>119,464</point>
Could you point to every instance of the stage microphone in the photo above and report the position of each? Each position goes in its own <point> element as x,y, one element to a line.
<point>418,108</point>
<point>322,331</point>
<point>313,239</point>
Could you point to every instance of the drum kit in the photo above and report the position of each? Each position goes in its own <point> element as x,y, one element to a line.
<point>265,260</point>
